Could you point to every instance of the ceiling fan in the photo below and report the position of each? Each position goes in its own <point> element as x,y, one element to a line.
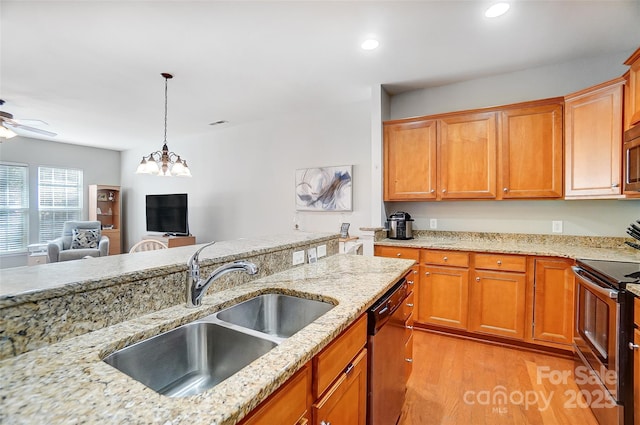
<point>7,124</point>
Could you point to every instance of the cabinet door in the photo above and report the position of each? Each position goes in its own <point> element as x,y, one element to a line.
<point>531,152</point>
<point>443,296</point>
<point>345,403</point>
<point>497,303</point>
<point>288,405</point>
<point>553,303</point>
<point>468,152</point>
<point>593,140</point>
<point>410,161</point>
<point>636,377</point>
<point>633,111</point>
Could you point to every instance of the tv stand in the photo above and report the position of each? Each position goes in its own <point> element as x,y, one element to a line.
<point>173,241</point>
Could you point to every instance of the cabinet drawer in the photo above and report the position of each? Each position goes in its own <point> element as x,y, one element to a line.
<point>445,258</point>
<point>408,305</point>
<point>346,400</point>
<point>512,263</point>
<point>335,358</point>
<point>636,311</point>
<point>408,327</point>
<point>408,358</point>
<point>288,405</point>
<point>397,252</point>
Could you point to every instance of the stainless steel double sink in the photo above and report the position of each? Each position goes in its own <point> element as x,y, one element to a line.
<point>197,356</point>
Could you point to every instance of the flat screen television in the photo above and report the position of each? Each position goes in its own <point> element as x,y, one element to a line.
<point>168,214</point>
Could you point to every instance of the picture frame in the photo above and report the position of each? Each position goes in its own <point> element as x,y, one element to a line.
<point>324,188</point>
<point>344,230</point>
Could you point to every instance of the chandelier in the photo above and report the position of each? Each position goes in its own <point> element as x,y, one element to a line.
<point>164,162</point>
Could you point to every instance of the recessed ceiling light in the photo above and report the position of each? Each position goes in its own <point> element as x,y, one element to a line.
<point>497,9</point>
<point>370,44</point>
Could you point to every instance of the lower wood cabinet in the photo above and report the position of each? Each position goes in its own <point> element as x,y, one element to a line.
<point>289,405</point>
<point>497,302</point>
<point>524,298</point>
<point>345,402</point>
<point>553,304</point>
<point>636,363</point>
<point>443,296</point>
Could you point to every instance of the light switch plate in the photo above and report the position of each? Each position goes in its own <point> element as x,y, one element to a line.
<point>298,257</point>
<point>433,223</point>
<point>322,251</point>
<point>556,226</point>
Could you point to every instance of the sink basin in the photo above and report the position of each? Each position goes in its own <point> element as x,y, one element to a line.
<point>190,359</point>
<point>275,314</point>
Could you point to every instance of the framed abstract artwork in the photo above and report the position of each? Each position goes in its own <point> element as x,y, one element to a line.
<point>324,189</point>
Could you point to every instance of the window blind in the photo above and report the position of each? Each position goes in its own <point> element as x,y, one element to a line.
<point>59,199</point>
<point>14,208</point>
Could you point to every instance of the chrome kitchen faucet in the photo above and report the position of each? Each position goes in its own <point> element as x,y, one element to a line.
<point>197,287</point>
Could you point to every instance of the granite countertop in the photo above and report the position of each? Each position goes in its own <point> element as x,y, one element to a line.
<point>24,284</point>
<point>68,383</point>
<point>553,248</point>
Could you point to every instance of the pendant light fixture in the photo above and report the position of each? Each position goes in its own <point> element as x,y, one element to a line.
<point>163,162</point>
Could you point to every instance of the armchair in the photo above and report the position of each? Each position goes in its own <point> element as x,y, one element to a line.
<point>79,239</point>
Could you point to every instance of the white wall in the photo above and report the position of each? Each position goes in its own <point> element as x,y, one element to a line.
<point>99,166</point>
<point>243,176</point>
<point>594,218</point>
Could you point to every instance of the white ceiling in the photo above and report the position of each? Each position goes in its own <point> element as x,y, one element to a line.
<point>92,69</point>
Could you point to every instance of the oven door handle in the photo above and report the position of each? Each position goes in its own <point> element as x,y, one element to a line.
<point>610,293</point>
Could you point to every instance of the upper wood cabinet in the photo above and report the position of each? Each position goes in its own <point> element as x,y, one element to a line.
<point>530,155</point>
<point>514,151</point>
<point>593,139</point>
<point>633,105</point>
<point>467,156</point>
<point>410,161</point>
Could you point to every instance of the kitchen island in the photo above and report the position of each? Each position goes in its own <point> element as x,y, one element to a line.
<point>67,382</point>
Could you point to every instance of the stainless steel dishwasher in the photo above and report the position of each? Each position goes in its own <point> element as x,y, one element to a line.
<point>386,386</point>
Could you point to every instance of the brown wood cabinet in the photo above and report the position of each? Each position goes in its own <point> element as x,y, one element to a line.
<point>633,110</point>
<point>104,206</point>
<point>593,140</point>
<point>340,378</point>
<point>410,161</point>
<point>289,405</point>
<point>409,305</point>
<point>444,288</point>
<point>467,156</point>
<point>346,400</point>
<point>531,147</point>
<point>497,295</point>
<point>553,303</point>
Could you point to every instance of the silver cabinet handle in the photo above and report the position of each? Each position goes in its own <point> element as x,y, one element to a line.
<point>415,272</point>
<point>410,282</point>
<point>408,360</point>
<point>427,273</point>
<point>325,423</point>
<point>432,190</point>
<point>505,190</point>
<point>477,279</point>
<point>444,190</point>
<point>499,262</point>
<point>615,185</point>
<point>399,254</point>
<point>444,258</point>
<point>409,304</point>
<point>409,327</point>
<point>633,346</point>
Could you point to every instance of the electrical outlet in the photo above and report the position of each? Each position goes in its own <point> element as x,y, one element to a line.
<point>433,223</point>
<point>556,226</point>
<point>322,251</point>
<point>298,257</point>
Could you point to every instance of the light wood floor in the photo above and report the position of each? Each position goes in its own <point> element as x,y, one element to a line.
<point>457,381</point>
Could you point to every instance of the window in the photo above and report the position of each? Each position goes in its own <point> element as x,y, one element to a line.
<point>59,200</point>
<point>14,208</point>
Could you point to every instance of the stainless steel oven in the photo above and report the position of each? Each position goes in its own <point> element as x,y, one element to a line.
<point>604,328</point>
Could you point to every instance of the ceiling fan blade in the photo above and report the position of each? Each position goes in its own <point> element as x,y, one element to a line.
<point>14,124</point>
